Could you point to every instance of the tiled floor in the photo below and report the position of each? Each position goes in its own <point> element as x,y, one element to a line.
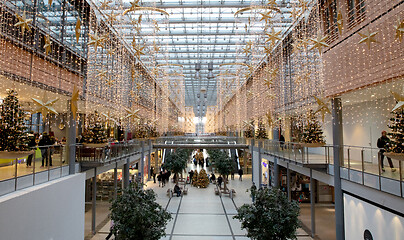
<point>202,215</point>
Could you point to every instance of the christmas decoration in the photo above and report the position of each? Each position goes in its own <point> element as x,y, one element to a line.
<point>105,3</point>
<point>195,179</point>
<point>340,22</point>
<point>368,37</point>
<point>12,136</point>
<point>94,131</point>
<point>268,116</point>
<point>203,180</point>
<point>273,36</point>
<point>45,106</point>
<point>111,17</point>
<point>23,23</point>
<point>319,43</point>
<point>138,49</point>
<point>400,101</point>
<point>249,129</point>
<point>261,132</point>
<point>96,40</point>
<point>47,45</point>
<point>399,27</point>
<point>396,126</point>
<point>77,30</point>
<point>322,107</point>
<point>312,132</point>
<point>73,101</point>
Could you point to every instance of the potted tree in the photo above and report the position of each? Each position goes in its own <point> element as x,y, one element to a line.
<point>136,215</point>
<point>270,217</point>
<point>223,164</point>
<point>176,161</point>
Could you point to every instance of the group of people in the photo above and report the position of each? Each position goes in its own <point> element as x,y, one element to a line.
<point>163,177</point>
<point>43,142</point>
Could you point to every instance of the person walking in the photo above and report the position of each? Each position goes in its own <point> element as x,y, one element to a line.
<point>253,190</point>
<point>240,173</point>
<point>159,178</point>
<point>382,143</point>
<point>219,181</point>
<point>31,145</point>
<point>153,174</point>
<point>45,143</point>
<point>191,174</point>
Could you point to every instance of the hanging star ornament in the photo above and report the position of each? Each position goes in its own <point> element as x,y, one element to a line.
<point>399,27</point>
<point>156,26</point>
<point>132,114</point>
<point>105,4</point>
<point>44,106</point>
<point>266,17</point>
<point>74,102</point>
<point>295,14</point>
<point>47,46</point>
<point>111,17</point>
<point>23,23</point>
<point>110,82</point>
<point>340,22</point>
<point>96,40</point>
<point>322,107</point>
<point>273,36</point>
<point>50,2</point>
<point>138,49</point>
<point>134,5</point>
<point>368,37</point>
<point>78,29</point>
<point>319,43</point>
<point>101,74</point>
<point>399,99</point>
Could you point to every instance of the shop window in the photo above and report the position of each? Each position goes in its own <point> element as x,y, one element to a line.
<point>329,13</point>
<point>356,12</point>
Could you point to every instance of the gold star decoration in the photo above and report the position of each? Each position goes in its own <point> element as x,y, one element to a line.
<point>368,37</point>
<point>111,17</point>
<point>399,29</point>
<point>399,99</point>
<point>156,48</point>
<point>74,101</point>
<point>248,124</point>
<point>305,77</point>
<point>340,22</point>
<point>295,13</point>
<point>44,106</point>
<point>273,72</point>
<point>78,29</point>
<point>267,50</point>
<point>138,49</point>
<point>303,5</point>
<point>156,25</point>
<point>266,16</point>
<point>134,5</point>
<point>250,94</point>
<point>246,49</point>
<point>109,118</point>
<point>319,43</point>
<point>111,51</point>
<point>110,81</point>
<point>50,2</point>
<point>268,117</point>
<point>96,40</point>
<point>47,46</point>
<point>139,86</point>
<point>268,82</point>
<point>273,36</point>
<point>23,23</point>
<point>272,3</point>
<point>101,74</point>
<point>322,107</point>
<point>105,3</point>
<point>132,114</point>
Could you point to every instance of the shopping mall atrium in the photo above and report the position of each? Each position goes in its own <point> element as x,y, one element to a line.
<point>120,119</point>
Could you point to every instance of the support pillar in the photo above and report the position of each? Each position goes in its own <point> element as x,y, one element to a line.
<point>259,163</point>
<point>288,182</point>
<point>156,161</point>
<point>245,161</point>
<point>338,161</point>
<point>115,181</point>
<point>125,174</point>
<point>71,141</point>
<point>312,204</point>
<point>276,173</point>
<point>149,160</point>
<point>94,202</point>
<point>141,164</point>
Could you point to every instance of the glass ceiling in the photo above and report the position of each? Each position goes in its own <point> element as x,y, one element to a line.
<point>199,32</point>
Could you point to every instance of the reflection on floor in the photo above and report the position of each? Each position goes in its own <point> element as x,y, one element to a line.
<point>201,214</point>
<point>7,172</point>
<point>325,220</point>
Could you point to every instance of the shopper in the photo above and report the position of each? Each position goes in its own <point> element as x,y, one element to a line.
<point>159,178</point>
<point>382,143</point>
<point>240,173</point>
<point>45,143</point>
<point>212,178</point>
<point>253,190</point>
<point>153,174</point>
<point>232,174</point>
<point>219,181</point>
<point>177,190</point>
<point>31,145</point>
<point>282,141</point>
<point>191,174</point>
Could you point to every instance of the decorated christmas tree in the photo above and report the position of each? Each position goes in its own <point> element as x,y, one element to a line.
<point>203,180</point>
<point>195,179</point>
<point>95,131</point>
<point>249,129</point>
<point>396,126</point>
<point>12,136</point>
<point>312,132</point>
<point>261,132</point>
<point>141,129</point>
